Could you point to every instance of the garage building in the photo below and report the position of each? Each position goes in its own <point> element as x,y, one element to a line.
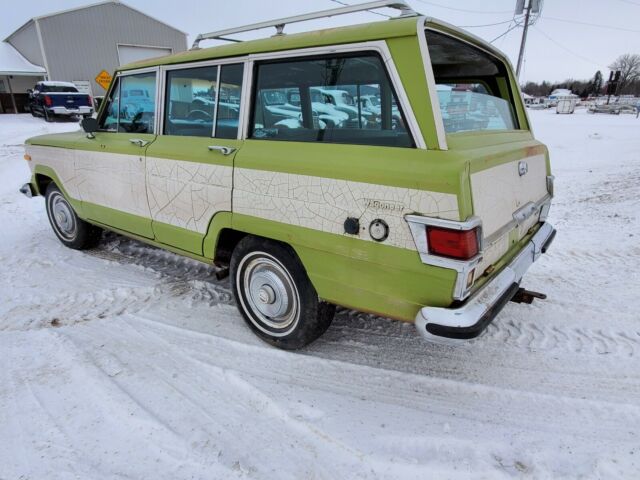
<point>77,45</point>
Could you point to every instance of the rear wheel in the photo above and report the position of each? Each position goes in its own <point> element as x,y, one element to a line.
<point>48,117</point>
<point>275,296</point>
<point>70,229</point>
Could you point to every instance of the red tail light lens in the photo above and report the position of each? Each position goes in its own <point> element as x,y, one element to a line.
<point>48,101</point>
<point>458,244</point>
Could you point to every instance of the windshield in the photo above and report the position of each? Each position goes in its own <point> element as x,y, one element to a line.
<point>473,86</point>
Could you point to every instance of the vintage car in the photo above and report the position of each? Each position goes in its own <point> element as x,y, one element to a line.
<point>433,219</point>
<point>50,99</point>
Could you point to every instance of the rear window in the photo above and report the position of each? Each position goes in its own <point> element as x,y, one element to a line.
<point>58,89</point>
<point>472,86</point>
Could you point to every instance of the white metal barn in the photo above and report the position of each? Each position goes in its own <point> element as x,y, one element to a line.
<point>76,45</point>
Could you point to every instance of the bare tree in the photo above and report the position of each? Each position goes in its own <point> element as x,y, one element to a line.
<point>629,66</point>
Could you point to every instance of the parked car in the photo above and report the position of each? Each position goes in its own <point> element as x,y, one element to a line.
<point>50,99</point>
<point>611,109</point>
<point>434,220</point>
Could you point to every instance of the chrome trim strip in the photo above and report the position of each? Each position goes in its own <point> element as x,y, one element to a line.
<point>507,227</point>
<point>474,309</point>
<point>431,84</point>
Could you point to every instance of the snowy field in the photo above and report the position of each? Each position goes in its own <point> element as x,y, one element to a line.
<point>130,362</point>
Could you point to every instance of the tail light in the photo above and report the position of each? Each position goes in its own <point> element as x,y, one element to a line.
<point>48,101</point>
<point>457,244</point>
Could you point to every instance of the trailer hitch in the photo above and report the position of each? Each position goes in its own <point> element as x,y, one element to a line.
<point>527,296</point>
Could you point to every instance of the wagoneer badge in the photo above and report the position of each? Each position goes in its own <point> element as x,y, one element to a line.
<point>523,168</point>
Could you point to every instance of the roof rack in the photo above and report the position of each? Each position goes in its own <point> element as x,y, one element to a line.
<point>279,24</point>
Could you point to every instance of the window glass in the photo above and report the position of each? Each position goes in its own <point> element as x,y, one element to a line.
<point>137,103</point>
<point>472,86</point>
<point>228,113</point>
<point>469,106</point>
<point>338,99</point>
<point>109,119</point>
<point>190,101</point>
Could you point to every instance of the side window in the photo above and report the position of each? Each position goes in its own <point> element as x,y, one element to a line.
<point>228,113</point>
<point>109,119</point>
<point>137,103</point>
<point>323,100</point>
<point>191,101</point>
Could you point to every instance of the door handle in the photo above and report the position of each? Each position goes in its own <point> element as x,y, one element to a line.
<point>222,150</point>
<point>139,142</point>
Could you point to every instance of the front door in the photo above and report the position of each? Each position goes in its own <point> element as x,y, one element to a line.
<point>190,166</point>
<point>111,167</point>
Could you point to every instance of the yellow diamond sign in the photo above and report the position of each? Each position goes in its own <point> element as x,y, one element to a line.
<point>104,79</point>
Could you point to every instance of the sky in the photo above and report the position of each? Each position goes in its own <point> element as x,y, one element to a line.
<point>559,46</point>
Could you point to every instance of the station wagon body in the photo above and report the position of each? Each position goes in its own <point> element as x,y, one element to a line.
<point>427,209</point>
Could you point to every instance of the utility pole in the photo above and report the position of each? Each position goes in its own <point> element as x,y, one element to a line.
<point>524,37</point>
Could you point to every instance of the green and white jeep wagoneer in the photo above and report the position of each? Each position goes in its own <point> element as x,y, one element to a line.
<point>426,203</point>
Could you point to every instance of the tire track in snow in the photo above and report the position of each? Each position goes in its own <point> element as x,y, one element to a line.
<point>196,282</point>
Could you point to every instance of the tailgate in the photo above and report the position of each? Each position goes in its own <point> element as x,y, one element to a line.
<point>508,199</point>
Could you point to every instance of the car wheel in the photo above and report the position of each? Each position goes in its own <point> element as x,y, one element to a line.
<point>33,114</point>
<point>70,229</point>
<point>47,116</point>
<point>275,296</point>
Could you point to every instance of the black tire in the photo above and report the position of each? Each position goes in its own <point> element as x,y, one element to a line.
<point>70,229</point>
<point>48,117</point>
<point>268,277</point>
<point>33,114</point>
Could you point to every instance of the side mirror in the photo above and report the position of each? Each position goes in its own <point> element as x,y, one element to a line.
<point>89,125</point>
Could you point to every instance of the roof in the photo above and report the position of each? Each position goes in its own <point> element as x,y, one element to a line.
<point>107,2</point>
<point>12,63</point>
<point>380,30</point>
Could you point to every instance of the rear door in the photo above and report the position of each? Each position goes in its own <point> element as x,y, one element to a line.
<point>111,167</point>
<point>190,166</point>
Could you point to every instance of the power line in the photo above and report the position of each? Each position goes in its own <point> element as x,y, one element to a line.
<point>463,9</point>
<point>611,27</point>
<point>486,24</point>
<point>340,2</point>
<point>569,50</point>
<point>508,30</point>
<point>630,2</point>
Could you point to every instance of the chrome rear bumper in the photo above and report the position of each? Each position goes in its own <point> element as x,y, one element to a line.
<point>448,325</point>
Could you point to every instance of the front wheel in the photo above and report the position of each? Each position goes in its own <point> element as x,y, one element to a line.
<point>70,229</point>
<point>275,296</point>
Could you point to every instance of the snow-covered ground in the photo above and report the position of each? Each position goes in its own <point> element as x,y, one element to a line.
<point>130,362</point>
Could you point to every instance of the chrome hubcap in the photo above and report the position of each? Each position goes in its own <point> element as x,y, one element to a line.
<point>63,217</point>
<point>270,292</point>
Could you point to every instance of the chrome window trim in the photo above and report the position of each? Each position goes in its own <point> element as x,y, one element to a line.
<point>463,268</point>
<point>218,63</point>
<point>216,102</point>
<point>127,73</point>
<point>245,99</point>
<point>497,55</point>
<point>431,83</point>
<point>378,46</point>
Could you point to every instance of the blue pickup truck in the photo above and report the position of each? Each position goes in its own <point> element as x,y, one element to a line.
<point>50,99</point>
